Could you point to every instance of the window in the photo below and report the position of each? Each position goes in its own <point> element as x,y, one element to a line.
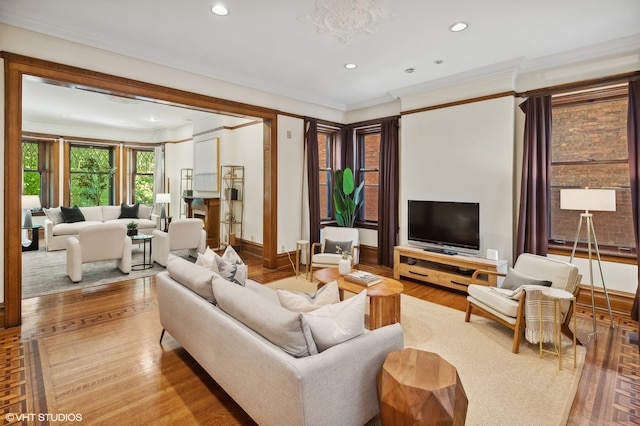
<point>142,176</point>
<point>91,174</point>
<point>368,169</point>
<point>37,178</point>
<point>589,149</point>
<point>327,160</point>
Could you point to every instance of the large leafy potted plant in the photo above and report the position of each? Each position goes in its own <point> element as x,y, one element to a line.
<point>347,198</point>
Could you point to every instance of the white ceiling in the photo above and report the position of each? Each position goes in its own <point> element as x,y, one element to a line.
<point>275,46</point>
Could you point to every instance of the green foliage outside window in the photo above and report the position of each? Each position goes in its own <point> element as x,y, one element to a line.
<point>91,176</point>
<point>143,180</point>
<point>31,174</point>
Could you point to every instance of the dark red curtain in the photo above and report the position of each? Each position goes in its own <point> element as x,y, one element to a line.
<point>633,137</point>
<point>388,191</point>
<point>311,145</point>
<point>346,148</point>
<point>533,221</point>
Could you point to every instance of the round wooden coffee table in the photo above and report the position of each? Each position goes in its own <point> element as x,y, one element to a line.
<point>384,297</point>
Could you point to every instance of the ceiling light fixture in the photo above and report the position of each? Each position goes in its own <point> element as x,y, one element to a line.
<point>438,61</point>
<point>350,66</point>
<point>409,70</point>
<point>458,26</point>
<point>220,10</point>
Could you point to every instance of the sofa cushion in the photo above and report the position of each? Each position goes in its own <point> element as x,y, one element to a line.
<point>129,212</point>
<point>73,228</point>
<point>515,279</point>
<point>285,329</point>
<point>306,302</point>
<point>94,212</point>
<point>54,215</point>
<point>194,277</point>
<point>71,214</point>
<point>144,212</point>
<point>110,213</point>
<point>338,322</point>
<point>496,300</point>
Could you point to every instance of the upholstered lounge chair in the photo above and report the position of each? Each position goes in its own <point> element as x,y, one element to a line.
<point>106,241</point>
<point>511,313</point>
<point>328,256</point>
<point>182,234</point>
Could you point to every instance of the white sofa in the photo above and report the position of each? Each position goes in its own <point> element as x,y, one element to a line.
<point>335,386</point>
<point>56,231</point>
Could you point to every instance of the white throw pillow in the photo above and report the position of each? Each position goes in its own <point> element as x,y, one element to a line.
<point>54,215</point>
<point>515,279</point>
<point>207,259</point>
<point>306,302</point>
<point>230,271</point>
<point>337,323</point>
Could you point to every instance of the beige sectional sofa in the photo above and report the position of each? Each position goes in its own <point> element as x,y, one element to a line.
<point>56,231</point>
<point>334,386</point>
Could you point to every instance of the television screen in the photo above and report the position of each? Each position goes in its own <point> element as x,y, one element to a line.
<point>445,223</point>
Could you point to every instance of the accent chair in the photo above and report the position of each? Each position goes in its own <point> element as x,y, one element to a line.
<point>106,241</point>
<point>182,234</point>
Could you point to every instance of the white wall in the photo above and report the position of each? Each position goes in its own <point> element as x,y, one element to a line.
<point>462,153</point>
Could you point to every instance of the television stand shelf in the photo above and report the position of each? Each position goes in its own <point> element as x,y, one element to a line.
<point>448,270</point>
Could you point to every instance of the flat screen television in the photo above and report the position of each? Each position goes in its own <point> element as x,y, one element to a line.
<point>444,224</point>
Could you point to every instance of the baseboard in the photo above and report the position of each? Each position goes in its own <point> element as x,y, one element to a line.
<point>2,323</point>
<point>621,302</point>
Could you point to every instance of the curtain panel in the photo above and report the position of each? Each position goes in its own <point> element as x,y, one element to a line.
<point>633,137</point>
<point>313,164</point>
<point>388,191</point>
<point>533,221</point>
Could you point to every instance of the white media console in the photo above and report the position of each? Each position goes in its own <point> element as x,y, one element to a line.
<point>448,270</point>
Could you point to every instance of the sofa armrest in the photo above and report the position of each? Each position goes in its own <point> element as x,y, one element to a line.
<point>474,277</point>
<point>74,259</point>
<point>160,247</point>
<point>48,232</point>
<point>155,219</point>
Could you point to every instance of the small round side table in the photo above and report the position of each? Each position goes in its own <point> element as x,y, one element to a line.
<point>558,296</point>
<point>302,246</point>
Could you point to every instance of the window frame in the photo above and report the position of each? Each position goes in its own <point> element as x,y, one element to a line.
<point>134,171</point>
<point>360,134</point>
<point>565,247</point>
<point>332,136</point>
<point>69,173</point>
<point>47,173</point>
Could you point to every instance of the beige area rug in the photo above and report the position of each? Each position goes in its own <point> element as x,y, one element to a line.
<point>503,388</point>
<point>45,272</point>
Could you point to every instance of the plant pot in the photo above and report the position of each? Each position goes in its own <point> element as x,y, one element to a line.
<point>344,266</point>
<point>132,232</point>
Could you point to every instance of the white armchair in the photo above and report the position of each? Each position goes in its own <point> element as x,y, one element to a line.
<point>182,234</point>
<point>108,241</point>
<point>328,256</point>
<point>510,312</point>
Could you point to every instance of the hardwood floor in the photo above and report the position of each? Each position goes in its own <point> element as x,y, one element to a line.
<point>94,353</point>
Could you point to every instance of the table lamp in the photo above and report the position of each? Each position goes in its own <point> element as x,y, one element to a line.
<point>590,200</point>
<point>163,199</point>
<point>29,202</point>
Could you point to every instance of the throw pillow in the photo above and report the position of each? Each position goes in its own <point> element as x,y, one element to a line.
<point>144,212</point>
<point>515,279</point>
<point>278,325</point>
<point>207,259</point>
<point>338,247</point>
<point>306,302</point>
<point>234,272</point>
<point>71,214</point>
<point>128,212</point>
<point>54,215</point>
<point>230,266</point>
<point>196,279</point>
<point>337,323</point>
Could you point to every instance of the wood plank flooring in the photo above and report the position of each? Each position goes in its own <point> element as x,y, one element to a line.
<point>95,353</point>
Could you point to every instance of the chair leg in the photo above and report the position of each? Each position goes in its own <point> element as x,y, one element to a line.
<point>162,335</point>
<point>467,316</point>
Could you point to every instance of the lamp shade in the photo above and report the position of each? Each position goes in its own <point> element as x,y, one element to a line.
<point>30,202</point>
<point>603,200</point>
<point>163,198</point>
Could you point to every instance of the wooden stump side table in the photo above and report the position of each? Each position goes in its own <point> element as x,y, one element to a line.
<point>420,388</point>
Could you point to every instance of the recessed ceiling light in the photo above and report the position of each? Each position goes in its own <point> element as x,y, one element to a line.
<point>350,66</point>
<point>409,70</point>
<point>438,61</point>
<point>458,26</point>
<point>220,10</point>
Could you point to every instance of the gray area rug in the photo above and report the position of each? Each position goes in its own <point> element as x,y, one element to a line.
<point>45,272</point>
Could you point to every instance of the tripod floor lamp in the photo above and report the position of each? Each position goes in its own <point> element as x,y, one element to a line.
<point>590,200</point>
